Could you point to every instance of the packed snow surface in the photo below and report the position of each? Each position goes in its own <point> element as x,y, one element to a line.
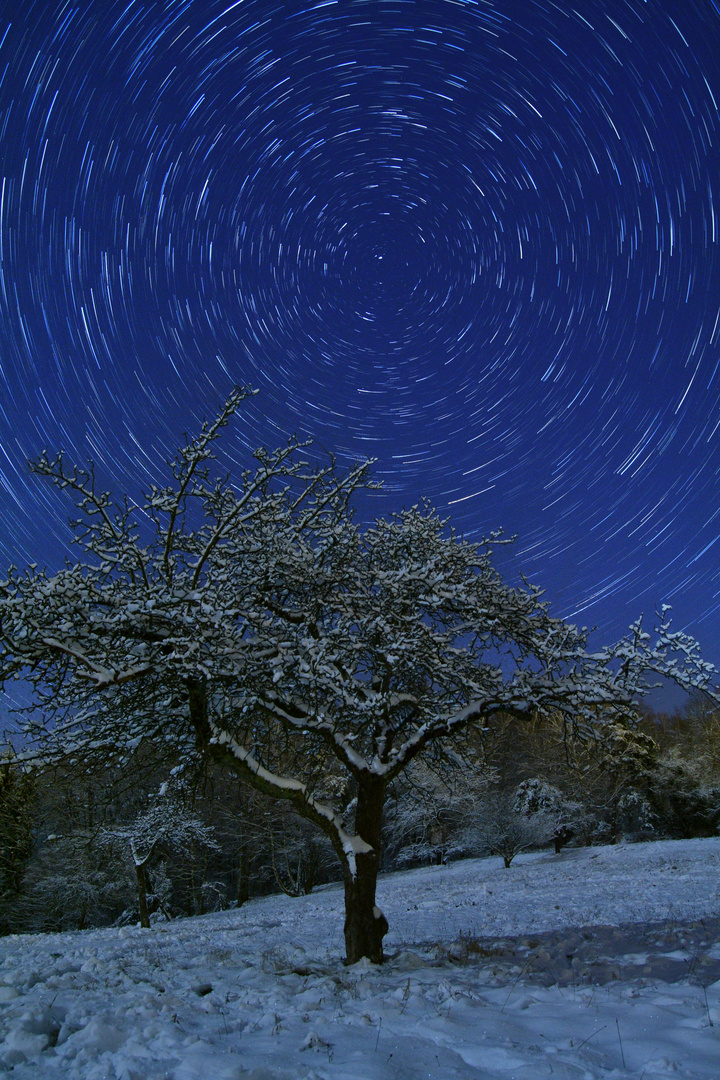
<point>598,962</point>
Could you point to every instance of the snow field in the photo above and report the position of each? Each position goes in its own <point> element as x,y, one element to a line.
<point>597,963</point>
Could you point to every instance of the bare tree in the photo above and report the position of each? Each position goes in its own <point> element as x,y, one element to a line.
<point>260,626</point>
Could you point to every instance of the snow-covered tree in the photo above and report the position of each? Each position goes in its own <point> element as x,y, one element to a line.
<point>427,811</point>
<point>564,816</point>
<point>259,625</point>
<point>300,855</point>
<point>500,826</point>
<point>166,827</point>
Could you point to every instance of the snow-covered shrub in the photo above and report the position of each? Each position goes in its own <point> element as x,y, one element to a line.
<point>634,817</point>
<point>214,895</point>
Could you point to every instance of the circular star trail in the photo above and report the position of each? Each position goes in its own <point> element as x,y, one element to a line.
<point>476,240</point>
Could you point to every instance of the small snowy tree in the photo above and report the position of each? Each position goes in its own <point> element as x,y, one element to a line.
<point>426,812</point>
<point>563,816</point>
<point>260,626</point>
<point>300,855</point>
<point>166,827</point>
<point>71,882</point>
<point>500,825</point>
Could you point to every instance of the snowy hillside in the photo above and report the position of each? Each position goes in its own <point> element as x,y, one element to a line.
<point>599,962</point>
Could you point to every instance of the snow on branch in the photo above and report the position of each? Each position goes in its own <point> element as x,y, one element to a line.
<point>298,792</point>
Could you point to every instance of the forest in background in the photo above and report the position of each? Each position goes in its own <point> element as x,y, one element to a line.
<point>84,846</point>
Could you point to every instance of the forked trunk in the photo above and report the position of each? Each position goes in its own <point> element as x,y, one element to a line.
<point>365,924</point>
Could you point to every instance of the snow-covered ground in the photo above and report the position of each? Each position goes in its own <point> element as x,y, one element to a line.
<point>599,962</point>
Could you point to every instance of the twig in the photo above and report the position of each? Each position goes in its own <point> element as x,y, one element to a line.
<point>622,1052</point>
<point>591,1036</point>
<point>522,972</point>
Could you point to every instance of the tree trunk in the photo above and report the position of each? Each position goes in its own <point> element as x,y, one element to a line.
<point>243,879</point>
<point>142,895</point>
<point>365,924</point>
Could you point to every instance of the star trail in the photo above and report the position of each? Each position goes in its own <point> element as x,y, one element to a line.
<point>478,240</point>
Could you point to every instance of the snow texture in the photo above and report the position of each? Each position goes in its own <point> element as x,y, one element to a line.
<point>598,962</point>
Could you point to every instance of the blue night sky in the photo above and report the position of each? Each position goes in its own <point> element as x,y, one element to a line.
<point>478,240</point>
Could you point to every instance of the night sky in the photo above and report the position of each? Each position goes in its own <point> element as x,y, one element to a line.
<point>478,240</point>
